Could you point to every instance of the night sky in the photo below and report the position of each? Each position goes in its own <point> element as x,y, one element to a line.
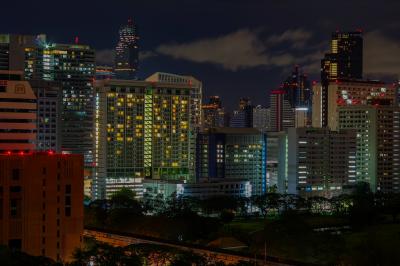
<point>237,48</point>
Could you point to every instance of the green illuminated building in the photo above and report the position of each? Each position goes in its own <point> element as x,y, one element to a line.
<point>142,130</point>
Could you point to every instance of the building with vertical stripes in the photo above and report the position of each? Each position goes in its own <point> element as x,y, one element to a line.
<point>142,130</point>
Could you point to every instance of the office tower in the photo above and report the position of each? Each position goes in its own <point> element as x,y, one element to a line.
<point>12,50</point>
<point>243,117</point>
<point>49,107</point>
<point>233,153</point>
<point>352,92</point>
<point>18,113</point>
<point>277,161</point>
<point>127,52</point>
<point>72,66</point>
<point>345,61</point>
<point>298,89</point>
<point>261,118</point>
<point>104,72</point>
<point>213,113</point>
<point>321,162</point>
<point>42,210</point>
<point>282,115</point>
<point>378,140</point>
<point>142,130</point>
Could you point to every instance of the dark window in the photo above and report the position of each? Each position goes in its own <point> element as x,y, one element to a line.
<point>44,170</point>
<point>68,211</point>
<point>15,244</point>
<point>15,174</point>
<point>15,189</point>
<point>68,200</point>
<point>15,208</point>
<point>68,189</point>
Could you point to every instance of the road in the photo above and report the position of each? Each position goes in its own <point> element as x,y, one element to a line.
<point>227,256</point>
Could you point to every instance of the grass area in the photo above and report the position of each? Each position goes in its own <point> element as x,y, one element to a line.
<point>294,238</point>
<point>247,225</point>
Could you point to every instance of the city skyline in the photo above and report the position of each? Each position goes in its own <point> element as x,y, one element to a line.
<point>266,46</point>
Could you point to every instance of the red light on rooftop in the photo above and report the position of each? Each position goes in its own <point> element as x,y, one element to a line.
<point>76,39</point>
<point>50,152</point>
<point>21,153</point>
<point>314,82</point>
<point>8,152</point>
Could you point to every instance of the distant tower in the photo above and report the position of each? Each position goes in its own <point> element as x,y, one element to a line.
<point>127,52</point>
<point>345,61</point>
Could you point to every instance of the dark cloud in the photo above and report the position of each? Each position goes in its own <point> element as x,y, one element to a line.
<point>382,55</point>
<point>241,49</point>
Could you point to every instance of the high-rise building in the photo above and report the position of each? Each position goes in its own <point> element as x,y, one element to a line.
<point>261,118</point>
<point>213,113</point>
<point>243,117</point>
<point>196,92</point>
<point>378,143</point>
<point>321,162</point>
<point>41,197</point>
<point>345,61</point>
<point>17,113</point>
<point>72,66</point>
<point>233,153</point>
<point>49,108</point>
<point>127,52</point>
<point>345,93</point>
<point>298,89</point>
<point>143,130</point>
<point>12,50</point>
<point>282,114</point>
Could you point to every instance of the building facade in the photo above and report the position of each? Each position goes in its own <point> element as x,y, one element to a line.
<point>12,50</point>
<point>261,118</point>
<point>347,93</point>
<point>321,162</point>
<point>213,114</point>
<point>344,61</point>
<point>127,52</point>
<point>233,153</point>
<point>17,113</point>
<point>282,114</point>
<point>142,130</point>
<point>378,140</point>
<point>41,196</point>
<point>202,190</point>
<point>72,66</point>
<point>49,108</point>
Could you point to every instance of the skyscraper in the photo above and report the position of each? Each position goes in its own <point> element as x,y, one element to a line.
<point>282,115</point>
<point>12,50</point>
<point>72,66</point>
<point>127,52</point>
<point>213,113</point>
<point>142,130</point>
<point>243,117</point>
<point>345,61</point>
